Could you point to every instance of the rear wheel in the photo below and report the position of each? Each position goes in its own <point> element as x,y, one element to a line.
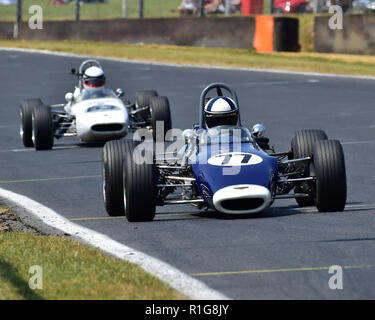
<point>142,98</point>
<point>26,109</point>
<point>112,159</point>
<point>160,112</point>
<point>139,185</point>
<point>302,146</point>
<point>329,165</point>
<point>42,128</point>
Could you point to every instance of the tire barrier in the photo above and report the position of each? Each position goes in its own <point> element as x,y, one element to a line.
<point>231,32</point>
<point>276,34</point>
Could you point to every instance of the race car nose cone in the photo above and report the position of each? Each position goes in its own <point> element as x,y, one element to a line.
<point>244,198</point>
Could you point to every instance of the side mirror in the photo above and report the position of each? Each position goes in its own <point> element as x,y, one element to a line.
<point>188,135</point>
<point>119,92</point>
<point>258,130</point>
<point>69,97</point>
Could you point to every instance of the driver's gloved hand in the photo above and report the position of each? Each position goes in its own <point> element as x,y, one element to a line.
<point>263,142</point>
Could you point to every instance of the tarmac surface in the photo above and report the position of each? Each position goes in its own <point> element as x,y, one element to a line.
<point>282,253</point>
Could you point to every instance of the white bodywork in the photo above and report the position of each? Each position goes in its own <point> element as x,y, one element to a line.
<point>100,119</point>
<point>97,114</point>
<point>243,191</point>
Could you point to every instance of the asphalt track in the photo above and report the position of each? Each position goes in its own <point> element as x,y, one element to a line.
<point>283,253</point>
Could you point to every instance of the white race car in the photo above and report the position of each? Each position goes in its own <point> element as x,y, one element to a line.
<point>93,116</point>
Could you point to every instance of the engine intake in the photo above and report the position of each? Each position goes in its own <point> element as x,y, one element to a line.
<point>248,198</point>
<point>107,127</point>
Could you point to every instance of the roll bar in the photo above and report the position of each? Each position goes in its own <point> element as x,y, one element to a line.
<point>219,92</point>
<point>85,65</point>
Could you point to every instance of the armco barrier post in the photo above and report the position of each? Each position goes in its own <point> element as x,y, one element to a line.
<point>124,8</point>
<point>140,9</point>
<point>18,19</point>
<point>76,14</point>
<point>201,8</point>
<point>227,7</point>
<point>19,11</point>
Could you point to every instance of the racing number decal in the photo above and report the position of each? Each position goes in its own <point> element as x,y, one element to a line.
<point>235,159</point>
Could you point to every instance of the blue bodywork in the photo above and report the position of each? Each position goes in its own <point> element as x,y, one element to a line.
<point>233,143</point>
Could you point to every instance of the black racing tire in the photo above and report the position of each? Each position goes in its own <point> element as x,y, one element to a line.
<point>139,185</point>
<point>304,140</point>
<point>26,127</point>
<point>112,159</point>
<point>330,191</point>
<point>42,128</point>
<point>302,146</point>
<point>142,98</point>
<point>160,111</point>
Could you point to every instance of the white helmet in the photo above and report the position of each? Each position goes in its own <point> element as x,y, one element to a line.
<point>220,111</point>
<point>93,77</point>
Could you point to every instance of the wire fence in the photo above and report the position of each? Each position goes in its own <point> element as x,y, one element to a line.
<point>112,9</point>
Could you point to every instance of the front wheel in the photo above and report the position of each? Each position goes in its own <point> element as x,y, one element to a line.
<point>139,185</point>
<point>42,128</point>
<point>26,110</point>
<point>329,165</point>
<point>112,159</point>
<point>302,146</point>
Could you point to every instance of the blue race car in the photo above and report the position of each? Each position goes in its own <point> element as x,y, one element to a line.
<point>221,165</point>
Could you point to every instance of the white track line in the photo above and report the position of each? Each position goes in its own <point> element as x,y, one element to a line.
<point>358,142</point>
<point>176,279</point>
<point>72,55</point>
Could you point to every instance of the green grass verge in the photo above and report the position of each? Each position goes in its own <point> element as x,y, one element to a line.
<point>71,271</point>
<point>304,61</point>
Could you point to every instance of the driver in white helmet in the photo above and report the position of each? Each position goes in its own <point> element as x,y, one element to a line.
<point>93,86</point>
<point>221,111</point>
<point>93,78</point>
<point>93,83</point>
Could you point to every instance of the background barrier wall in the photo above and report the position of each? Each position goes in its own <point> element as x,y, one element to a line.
<point>232,32</point>
<point>356,37</point>
<point>6,30</point>
<point>206,32</point>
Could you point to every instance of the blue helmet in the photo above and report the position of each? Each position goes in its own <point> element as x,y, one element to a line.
<point>220,111</point>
